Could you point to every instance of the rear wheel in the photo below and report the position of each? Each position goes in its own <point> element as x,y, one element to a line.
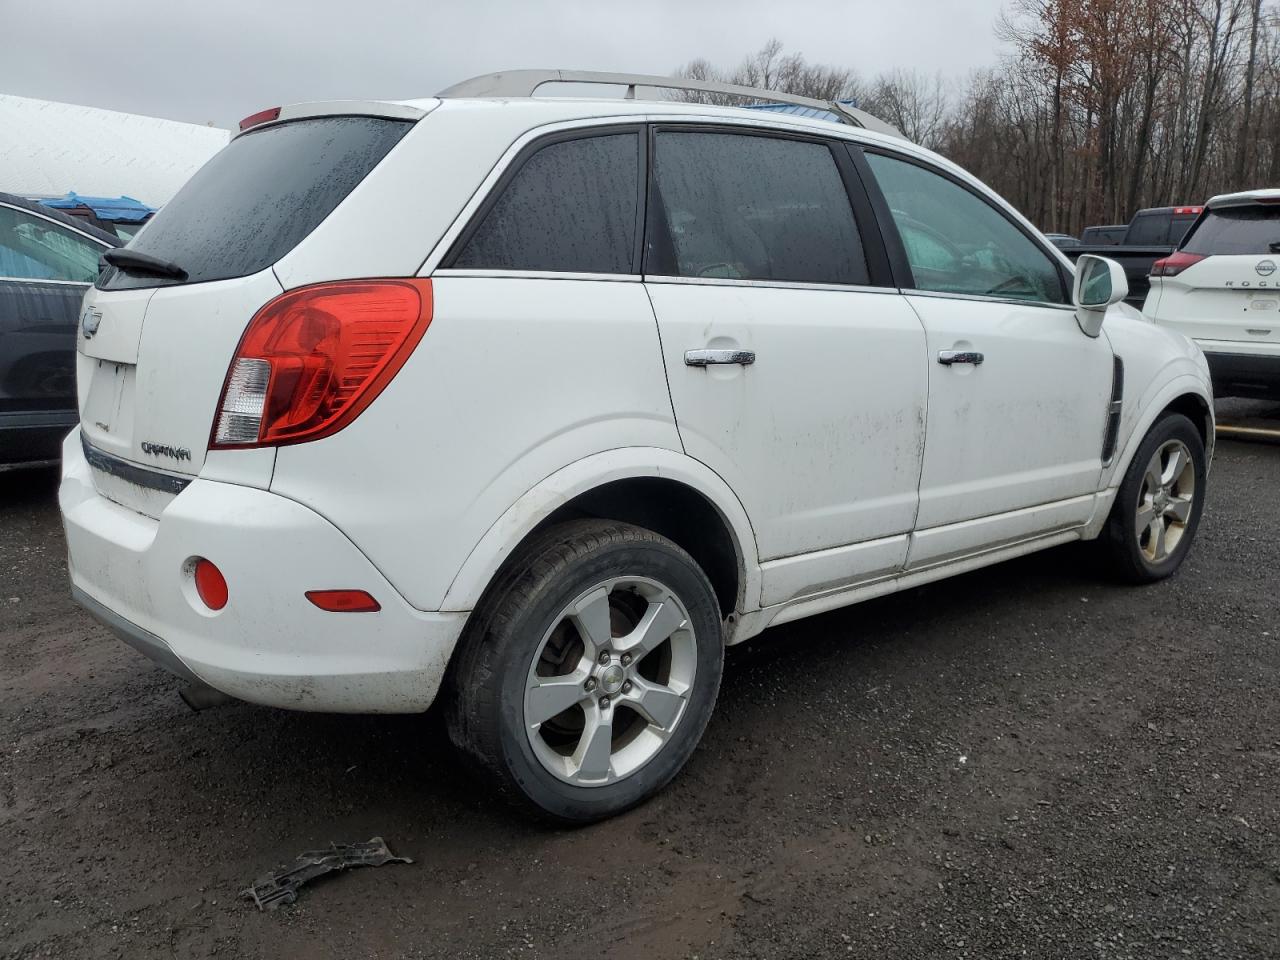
<point>590,670</point>
<point>1157,509</point>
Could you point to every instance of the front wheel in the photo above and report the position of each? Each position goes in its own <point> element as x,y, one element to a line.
<point>1157,508</point>
<point>590,670</point>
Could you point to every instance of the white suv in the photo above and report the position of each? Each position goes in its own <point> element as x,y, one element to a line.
<point>534,405</point>
<point>1222,288</point>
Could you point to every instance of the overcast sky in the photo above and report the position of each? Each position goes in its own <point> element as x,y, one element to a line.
<point>218,60</point>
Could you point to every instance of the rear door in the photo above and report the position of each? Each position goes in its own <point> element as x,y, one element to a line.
<point>1227,281</point>
<point>45,268</point>
<point>1018,394</point>
<point>155,352</point>
<point>796,372</point>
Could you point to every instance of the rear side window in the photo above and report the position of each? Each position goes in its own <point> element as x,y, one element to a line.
<point>258,198</point>
<point>753,208</point>
<point>33,248</point>
<point>1236,230</point>
<point>1149,228</point>
<point>572,207</point>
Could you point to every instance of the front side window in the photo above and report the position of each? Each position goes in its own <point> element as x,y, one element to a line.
<point>572,207</point>
<point>957,243</point>
<point>33,248</point>
<point>1237,231</point>
<point>748,207</point>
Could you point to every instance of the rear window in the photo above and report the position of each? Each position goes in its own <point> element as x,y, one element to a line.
<point>572,207</point>
<point>1149,228</point>
<point>1236,230</point>
<point>255,201</point>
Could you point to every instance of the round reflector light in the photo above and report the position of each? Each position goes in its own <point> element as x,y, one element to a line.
<point>210,584</point>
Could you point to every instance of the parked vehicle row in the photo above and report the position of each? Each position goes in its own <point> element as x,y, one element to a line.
<point>1222,288</point>
<point>1153,233</point>
<point>630,382</point>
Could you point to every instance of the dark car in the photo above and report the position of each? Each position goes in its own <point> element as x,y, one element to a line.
<point>1062,240</point>
<point>1106,235</point>
<point>47,261</point>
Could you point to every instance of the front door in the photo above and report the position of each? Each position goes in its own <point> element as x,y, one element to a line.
<point>793,375</point>
<point>1018,395</point>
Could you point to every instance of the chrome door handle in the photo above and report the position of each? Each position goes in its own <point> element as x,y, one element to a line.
<point>704,358</point>
<point>948,357</point>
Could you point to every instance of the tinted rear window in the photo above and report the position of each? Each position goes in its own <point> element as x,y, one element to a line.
<point>571,208</point>
<point>754,208</point>
<point>255,201</point>
<point>1237,230</point>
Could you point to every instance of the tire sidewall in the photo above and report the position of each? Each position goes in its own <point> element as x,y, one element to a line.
<point>676,572</point>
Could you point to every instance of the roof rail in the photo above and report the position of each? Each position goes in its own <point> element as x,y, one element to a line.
<point>525,83</point>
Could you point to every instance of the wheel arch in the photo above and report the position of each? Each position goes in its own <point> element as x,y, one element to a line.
<point>662,490</point>
<point>1185,394</point>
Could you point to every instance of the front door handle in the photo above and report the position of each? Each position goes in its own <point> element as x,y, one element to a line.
<point>705,358</point>
<point>948,357</point>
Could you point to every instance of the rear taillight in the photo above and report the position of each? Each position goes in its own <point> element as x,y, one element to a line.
<point>1185,211</point>
<point>1174,264</point>
<point>312,359</point>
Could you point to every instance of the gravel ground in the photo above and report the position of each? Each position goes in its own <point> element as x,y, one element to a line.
<point>1025,761</point>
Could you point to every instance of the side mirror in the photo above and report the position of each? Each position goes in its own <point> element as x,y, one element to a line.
<point>1099,283</point>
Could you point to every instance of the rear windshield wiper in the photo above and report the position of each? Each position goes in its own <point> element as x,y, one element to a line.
<point>131,261</point>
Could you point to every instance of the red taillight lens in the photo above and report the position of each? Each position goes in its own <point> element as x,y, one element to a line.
<point>262,116</point>
<point>344,601</point>
<point>1174,264</point>
<point>210,584</point>
<point>312,359</point>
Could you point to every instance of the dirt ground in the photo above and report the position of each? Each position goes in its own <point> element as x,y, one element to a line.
<point>1022,762</point>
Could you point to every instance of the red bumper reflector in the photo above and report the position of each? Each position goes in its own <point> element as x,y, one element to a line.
<point>344,601</point>
<point>210,584</point>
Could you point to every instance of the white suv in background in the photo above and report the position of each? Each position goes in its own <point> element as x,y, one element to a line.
<point>1222,288</point>
<point>535,405</point>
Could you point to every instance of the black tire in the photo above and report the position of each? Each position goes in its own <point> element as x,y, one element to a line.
<point>1122,543</point>
<point>485,708</point>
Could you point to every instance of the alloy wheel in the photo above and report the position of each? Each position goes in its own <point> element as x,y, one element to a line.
<point>1165,501</point>
<point>610,681</point>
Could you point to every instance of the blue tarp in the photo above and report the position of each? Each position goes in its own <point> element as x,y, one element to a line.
<point>110,209</point>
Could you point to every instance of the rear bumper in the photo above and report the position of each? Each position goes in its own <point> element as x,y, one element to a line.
<point>269,644</point>
<point>1243,370</point>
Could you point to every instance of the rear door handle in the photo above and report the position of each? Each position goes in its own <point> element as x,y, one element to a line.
<point>948,357</point>
<point>705,358</point>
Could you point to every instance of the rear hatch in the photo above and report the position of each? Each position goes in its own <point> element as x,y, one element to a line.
<point>155,342</point>
<point>1224,284</point>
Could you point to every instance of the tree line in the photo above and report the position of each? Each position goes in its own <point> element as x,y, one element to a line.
<point>1096,109</point>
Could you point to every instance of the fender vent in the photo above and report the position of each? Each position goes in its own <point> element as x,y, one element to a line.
<point>1113,411</point>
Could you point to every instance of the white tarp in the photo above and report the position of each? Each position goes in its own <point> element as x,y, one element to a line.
<point>49,149</point>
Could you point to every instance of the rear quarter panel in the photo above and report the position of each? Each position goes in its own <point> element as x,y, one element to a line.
<point>514,379</point>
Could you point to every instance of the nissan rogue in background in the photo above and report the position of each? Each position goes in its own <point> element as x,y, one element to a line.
<point>1222,288</point>
<point>536,405</point>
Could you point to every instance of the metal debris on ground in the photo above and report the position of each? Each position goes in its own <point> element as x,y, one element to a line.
<point>273,889</point>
